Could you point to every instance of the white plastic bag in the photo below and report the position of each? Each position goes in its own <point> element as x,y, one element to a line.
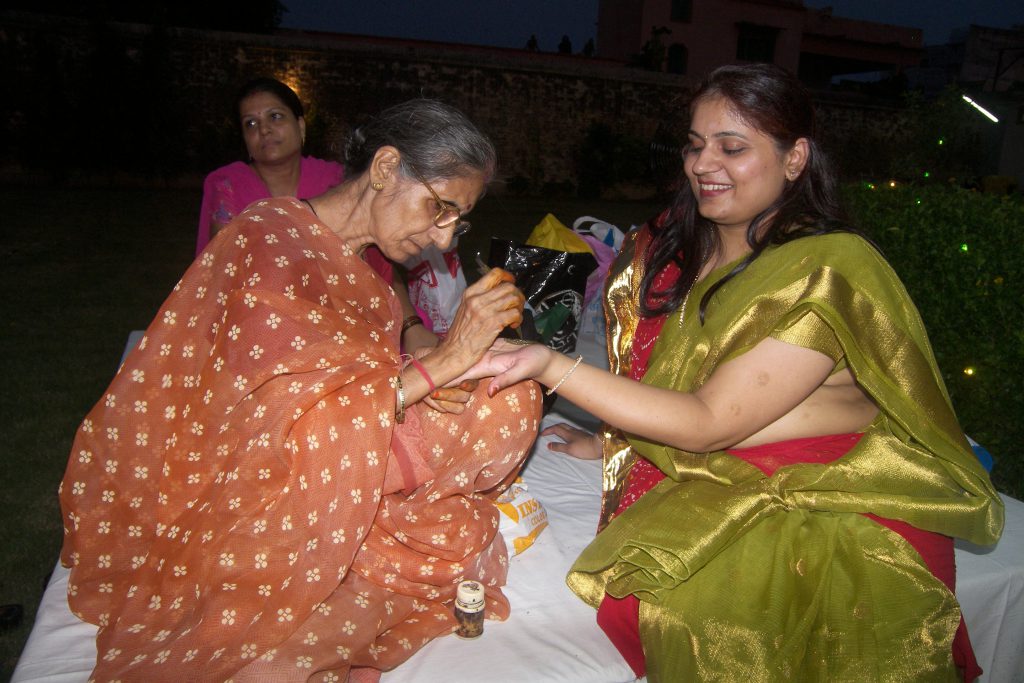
<point>436,282</point>
<point>605,240</point>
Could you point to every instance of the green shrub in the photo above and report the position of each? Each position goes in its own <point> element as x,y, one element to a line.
<point>946,138</point>
<point>960,255</point>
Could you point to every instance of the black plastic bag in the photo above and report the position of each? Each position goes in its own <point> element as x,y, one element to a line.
<point>554,283</point>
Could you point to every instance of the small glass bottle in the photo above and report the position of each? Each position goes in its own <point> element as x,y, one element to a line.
<point>469,609</point>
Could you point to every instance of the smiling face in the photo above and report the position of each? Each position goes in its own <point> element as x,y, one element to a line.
<point>271,131</point>
<point>735,171</point>
<point>404,225</point>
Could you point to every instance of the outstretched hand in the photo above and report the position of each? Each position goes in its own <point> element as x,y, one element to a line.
<point>508,362</point>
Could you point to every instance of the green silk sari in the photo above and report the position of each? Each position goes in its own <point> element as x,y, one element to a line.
<point>782,577</point>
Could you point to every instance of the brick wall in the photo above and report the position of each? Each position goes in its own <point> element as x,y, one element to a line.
<point>134,99</point>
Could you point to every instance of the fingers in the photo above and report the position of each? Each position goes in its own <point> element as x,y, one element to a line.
<point>559,447</point>
<point>497,292</point>
<point>525,362</point>
<point>452,399</point>
<point>449,400</point>
<point>451,394</point>
<point>518,299</point>
<point>504,303</point>
<point>505,379</point>
<point>494,277</point>
<point>488,306</point>
<point>575,442</point>
<point>445,406</point>
<point>503,296</point>
<point>563,431</point>
<point>488,366</point>
<point>494,386</point>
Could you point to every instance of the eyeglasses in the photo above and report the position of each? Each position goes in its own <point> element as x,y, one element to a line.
<point>448,215</point>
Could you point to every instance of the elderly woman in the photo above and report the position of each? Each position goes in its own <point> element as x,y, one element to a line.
<point>783,469</point>
<point>260,495</point>
<point>273,126</point>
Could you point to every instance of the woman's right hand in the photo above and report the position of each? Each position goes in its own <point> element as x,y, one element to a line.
<point>488,306</point>
<point>575,442</point>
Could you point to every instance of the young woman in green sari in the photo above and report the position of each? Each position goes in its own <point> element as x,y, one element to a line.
<point>784,472</point>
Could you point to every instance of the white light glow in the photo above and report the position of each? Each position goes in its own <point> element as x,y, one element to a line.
<point>985,112</point>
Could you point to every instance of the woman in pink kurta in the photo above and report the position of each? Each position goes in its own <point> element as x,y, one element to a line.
<point>274,130</point>
<point>229,189</point>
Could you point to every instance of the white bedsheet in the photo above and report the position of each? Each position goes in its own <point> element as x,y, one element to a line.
<point>551,635</point>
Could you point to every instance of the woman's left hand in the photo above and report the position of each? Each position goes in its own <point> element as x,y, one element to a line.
<point>574,441</point>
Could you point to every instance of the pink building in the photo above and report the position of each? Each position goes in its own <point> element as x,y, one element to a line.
<point>691,37</point>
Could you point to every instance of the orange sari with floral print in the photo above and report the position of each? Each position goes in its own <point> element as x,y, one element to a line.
<point>241,504</point>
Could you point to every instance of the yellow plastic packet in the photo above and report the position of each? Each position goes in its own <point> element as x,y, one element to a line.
<point>522,518</point>
<point>550,233</point>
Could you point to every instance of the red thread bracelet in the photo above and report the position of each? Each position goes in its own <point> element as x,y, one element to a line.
<point>423,371</point>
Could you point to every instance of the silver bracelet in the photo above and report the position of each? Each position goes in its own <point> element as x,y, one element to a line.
<point>579,359</point>
<point>399,389</point>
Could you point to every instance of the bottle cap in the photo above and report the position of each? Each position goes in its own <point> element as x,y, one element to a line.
<point>470,596</point>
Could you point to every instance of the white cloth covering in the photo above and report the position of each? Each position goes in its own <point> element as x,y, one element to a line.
<point>552,635</point>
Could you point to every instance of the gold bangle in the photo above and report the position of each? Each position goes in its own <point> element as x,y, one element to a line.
<point>579,359</point>
<point>400,392</point>
<point>410,322</point>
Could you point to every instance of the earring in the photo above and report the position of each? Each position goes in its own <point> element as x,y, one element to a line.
<point>377,185</point>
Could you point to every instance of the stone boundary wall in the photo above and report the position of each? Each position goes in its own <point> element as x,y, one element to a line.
<point>138,99</point>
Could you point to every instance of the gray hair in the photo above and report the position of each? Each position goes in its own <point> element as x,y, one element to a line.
<point>436,141</point>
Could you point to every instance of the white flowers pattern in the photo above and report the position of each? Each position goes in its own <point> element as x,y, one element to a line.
<point>252,480</point>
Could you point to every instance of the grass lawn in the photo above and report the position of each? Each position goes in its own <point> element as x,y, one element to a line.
<point>82,268</point>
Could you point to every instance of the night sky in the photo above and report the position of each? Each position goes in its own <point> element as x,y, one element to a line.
<point>509,23</point>
<point>499,23</point>
<point>937,17</point>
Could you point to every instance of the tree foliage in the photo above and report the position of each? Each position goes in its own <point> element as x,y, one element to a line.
<point>926,139</point>
<point>958,253</point>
